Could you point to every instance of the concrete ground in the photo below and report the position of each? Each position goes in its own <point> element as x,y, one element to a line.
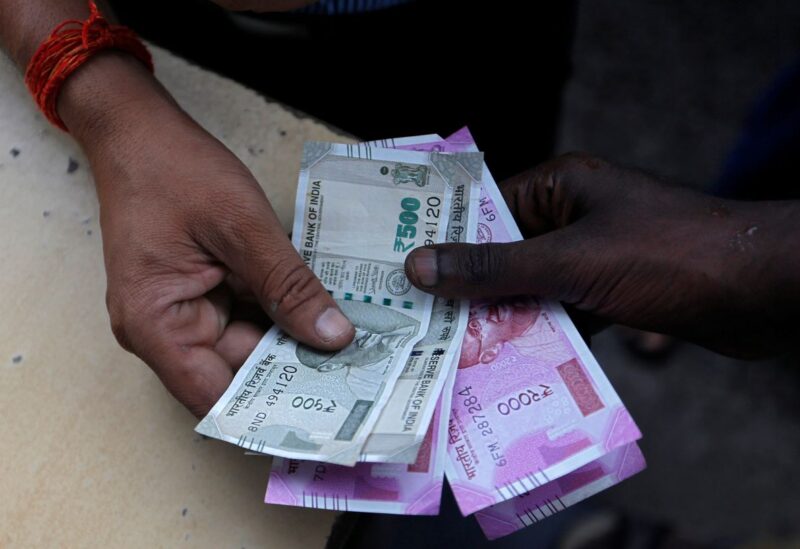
<point>665,86</point>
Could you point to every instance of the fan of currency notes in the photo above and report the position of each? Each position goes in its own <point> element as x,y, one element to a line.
<point>502,397</point>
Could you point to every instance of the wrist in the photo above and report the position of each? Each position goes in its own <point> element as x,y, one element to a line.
<point>112,95</point>
<point>759,272</point>
<point>778,258</point>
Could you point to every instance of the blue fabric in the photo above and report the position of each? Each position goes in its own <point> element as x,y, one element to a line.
<point>335,7</point>
<point>765,163</point>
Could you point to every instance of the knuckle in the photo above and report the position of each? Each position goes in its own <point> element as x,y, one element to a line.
<point>289,286</point>
<point>129,303</point>
<point>479,264</point>
<point>191,387</point>
<point>230,225</point>
<point>189,378</point>
<point>198,407</point>
<point>119,317</point>
<point>573,165</point>
<point>579,159</point>
<point>240,231</point>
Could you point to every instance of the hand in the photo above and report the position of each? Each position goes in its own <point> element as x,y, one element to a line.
<point>619,245</point>
<point>187,230</point>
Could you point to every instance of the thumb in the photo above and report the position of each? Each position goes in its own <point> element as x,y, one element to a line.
<point>541,266</point>
<point>257,251</point>
<point>297,301</point>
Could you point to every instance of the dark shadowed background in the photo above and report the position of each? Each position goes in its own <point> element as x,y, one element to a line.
<point>666,86</point>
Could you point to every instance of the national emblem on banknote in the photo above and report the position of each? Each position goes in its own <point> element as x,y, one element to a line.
<point>403,174</point>
<point>397,282</point>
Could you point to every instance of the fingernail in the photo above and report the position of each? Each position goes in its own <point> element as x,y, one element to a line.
<point>424,264</point>
<point>332,324</point>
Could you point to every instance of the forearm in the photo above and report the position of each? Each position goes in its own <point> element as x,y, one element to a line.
<point>106,95</point>
<point>777,249</point>
<point>24,24</point>
<point>111,96</point>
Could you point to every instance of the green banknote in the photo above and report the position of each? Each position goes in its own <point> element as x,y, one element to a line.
<point>359,212</point>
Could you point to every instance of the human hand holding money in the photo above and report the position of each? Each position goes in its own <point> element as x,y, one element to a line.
<point>359,212</point>
<point>181,216</point>
<point>689,271</point>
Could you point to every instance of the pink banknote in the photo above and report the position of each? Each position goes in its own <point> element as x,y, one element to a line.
<point>531,412</point>
<point>529,508</point>
<point>530,403</point>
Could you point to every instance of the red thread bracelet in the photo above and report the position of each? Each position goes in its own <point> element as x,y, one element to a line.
<point>69,46</point>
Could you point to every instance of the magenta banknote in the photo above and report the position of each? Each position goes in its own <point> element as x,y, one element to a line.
<point>529,508</point>
<point>530,408</point>
<point>530,403</point>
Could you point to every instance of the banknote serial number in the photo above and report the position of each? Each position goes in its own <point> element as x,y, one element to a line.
<point>405,238</point>
<point>293,466</point>
<point>481,422</point>
<point>285,376</point>
<point>523,399</point>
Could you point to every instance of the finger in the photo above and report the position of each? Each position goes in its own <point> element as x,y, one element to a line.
<point>240,289</point>
<point>554,194</point>
<point>195,352</point>
<point>172,322</point>
<point>237,342</point>
<point>220,298</point>
<point>250,241</point>
<point>543,266</point>
<point>196,376</point>
<point>178,344</point>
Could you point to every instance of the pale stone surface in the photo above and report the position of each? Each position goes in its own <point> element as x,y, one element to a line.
<point>94,451</point>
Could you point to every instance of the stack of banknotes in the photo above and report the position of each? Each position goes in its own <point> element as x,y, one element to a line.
<point>502,397</point>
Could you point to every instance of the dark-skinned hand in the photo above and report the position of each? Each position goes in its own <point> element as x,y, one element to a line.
<point>622,247</point>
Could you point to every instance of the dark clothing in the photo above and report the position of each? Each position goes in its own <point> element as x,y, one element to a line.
<point>424,67</point>
<point>765,164</point>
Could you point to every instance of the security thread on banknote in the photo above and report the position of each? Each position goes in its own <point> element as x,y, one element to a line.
<point>358,213</point>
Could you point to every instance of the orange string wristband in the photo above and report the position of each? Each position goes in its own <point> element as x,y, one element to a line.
<point>69,46</point>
